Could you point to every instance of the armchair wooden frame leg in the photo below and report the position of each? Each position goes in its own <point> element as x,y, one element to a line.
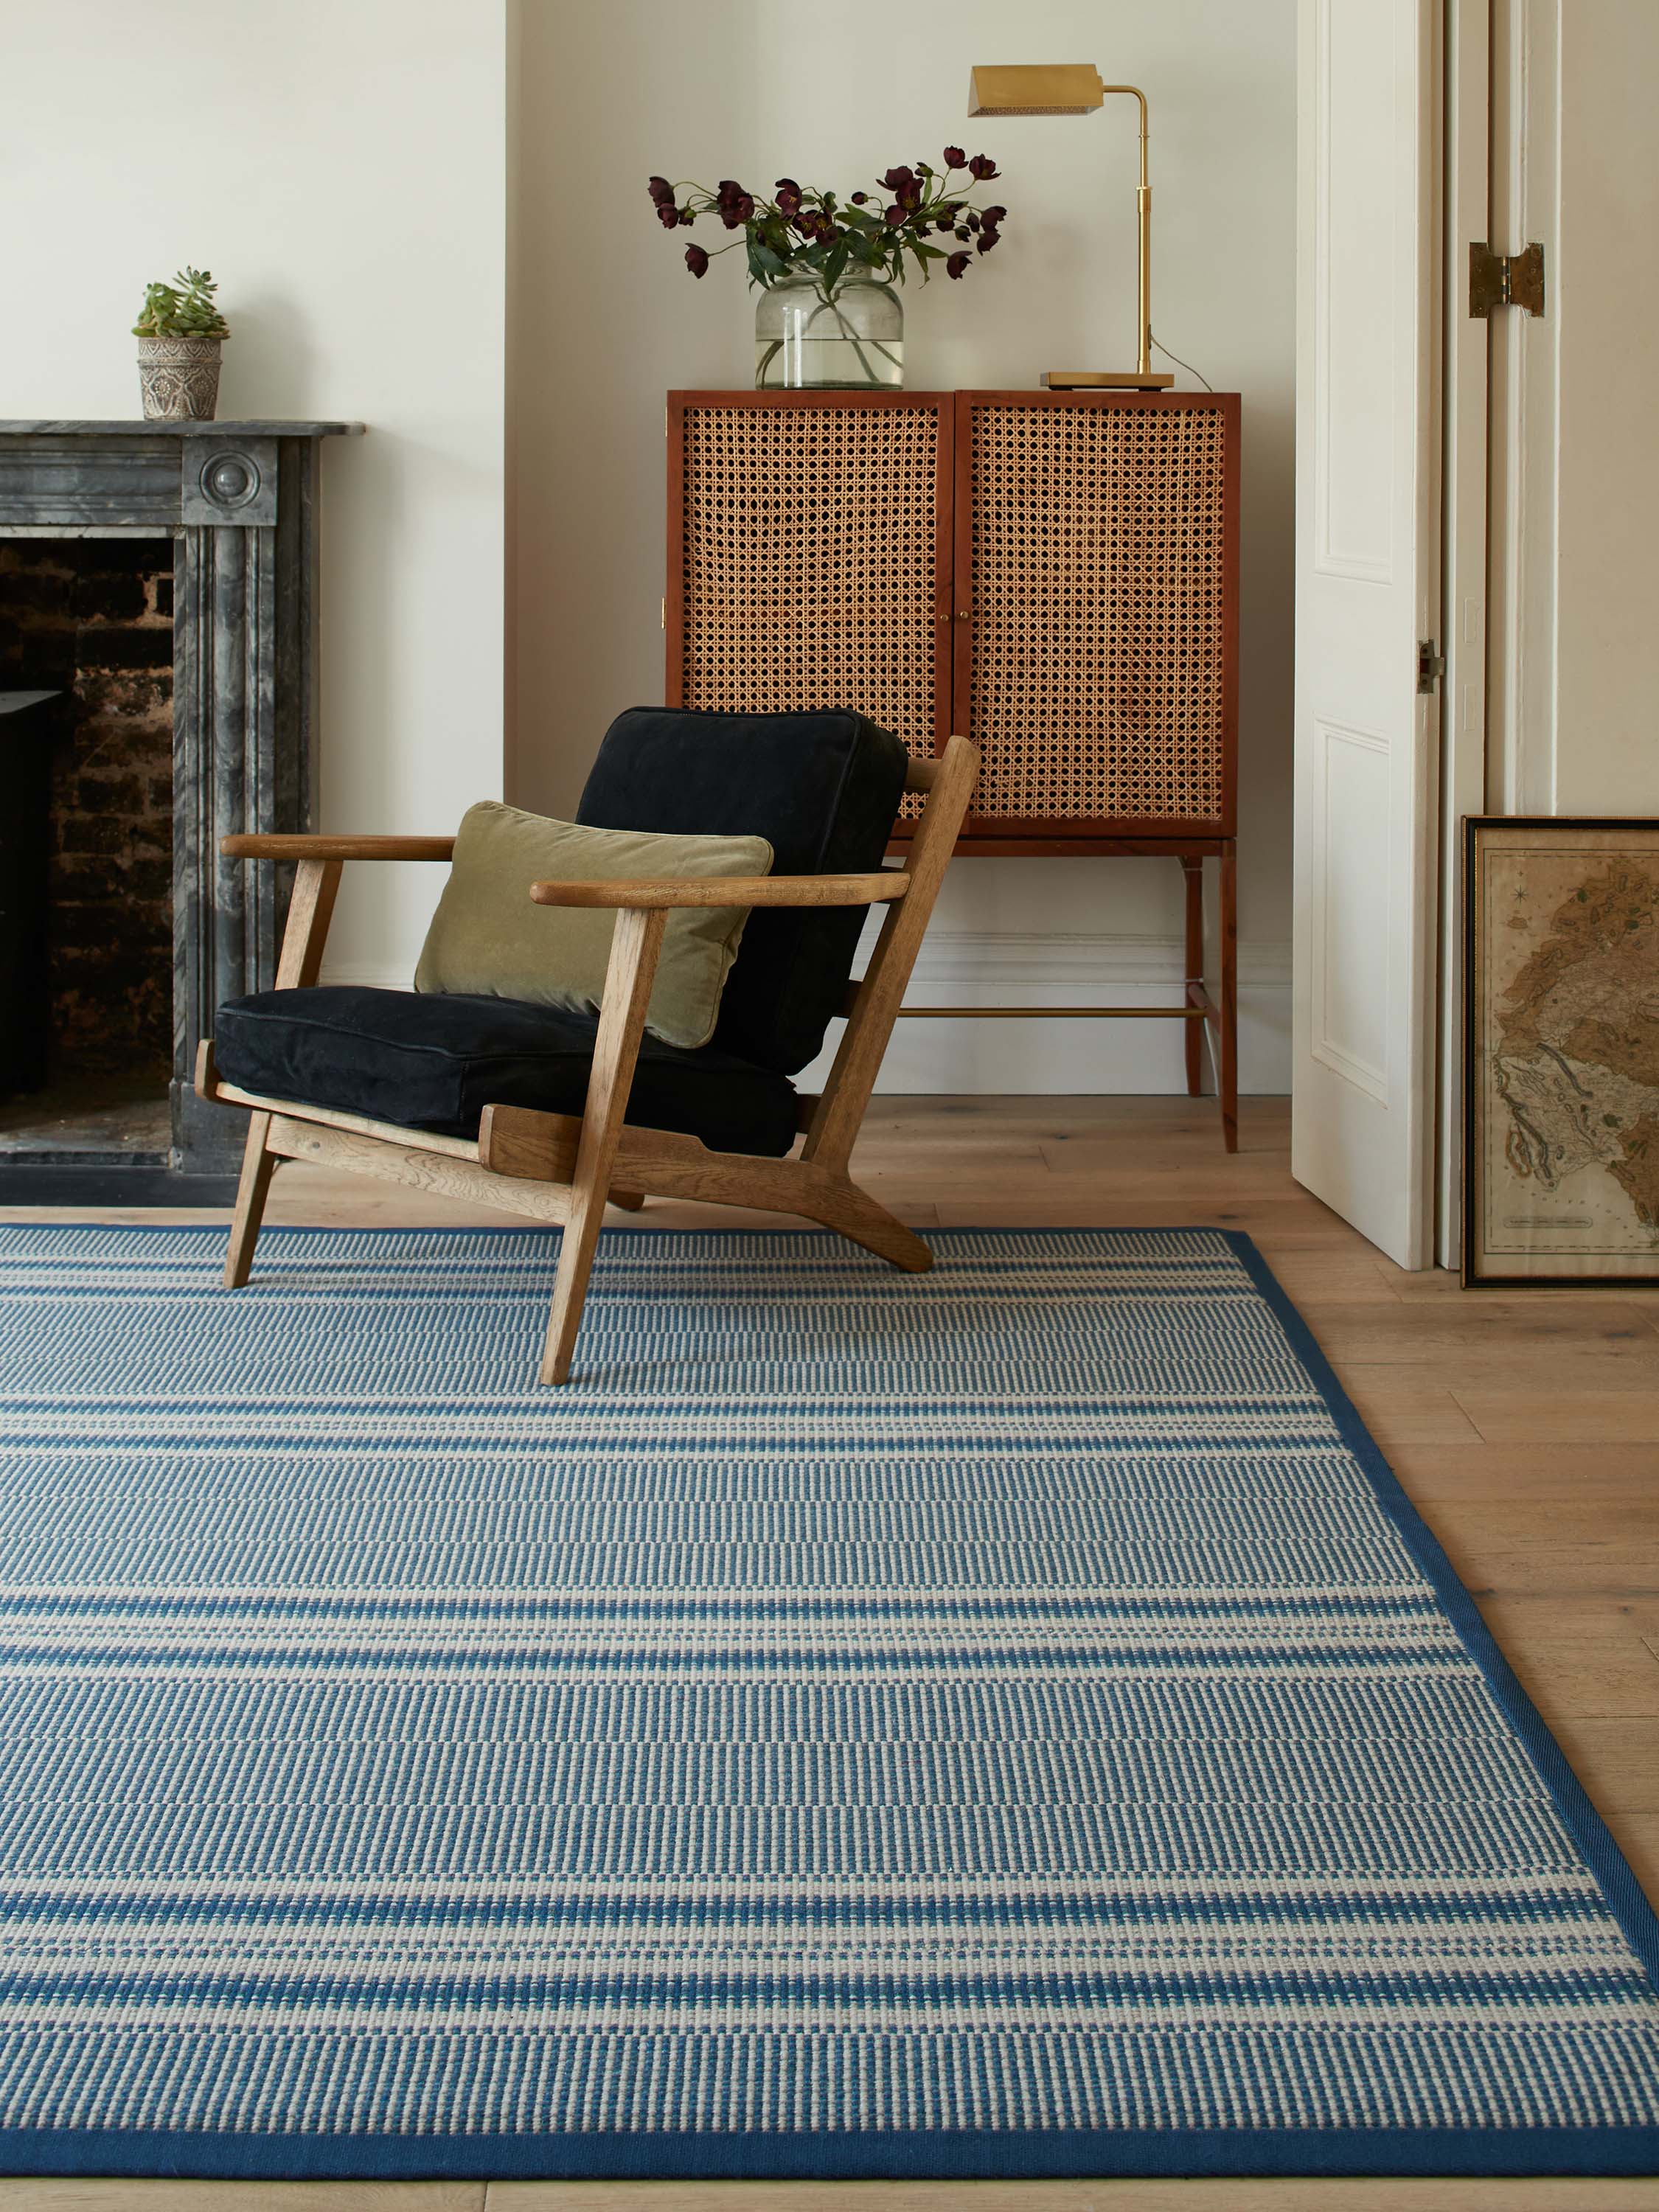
<point>875,1005</point>
<point>861,1219</point>
<point>310,910</point>
<point>635,945</point>
<point>258,1165</point>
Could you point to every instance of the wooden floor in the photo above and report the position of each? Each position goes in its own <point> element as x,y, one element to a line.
<point>1526,1428</point>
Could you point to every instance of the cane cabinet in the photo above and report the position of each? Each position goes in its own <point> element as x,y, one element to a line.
<point>1055,575</point>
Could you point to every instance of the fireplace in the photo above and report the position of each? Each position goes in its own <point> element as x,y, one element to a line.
<point>89,1044</point>
<point>157,586</point>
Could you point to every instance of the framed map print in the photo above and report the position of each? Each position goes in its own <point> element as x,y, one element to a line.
<point>1561,1075</point>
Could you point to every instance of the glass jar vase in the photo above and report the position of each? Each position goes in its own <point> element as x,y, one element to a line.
<point>851,339</point>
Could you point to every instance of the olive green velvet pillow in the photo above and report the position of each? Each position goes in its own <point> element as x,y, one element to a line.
<point>488,938</point>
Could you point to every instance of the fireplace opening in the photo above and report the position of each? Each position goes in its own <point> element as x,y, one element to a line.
<point>86,1052</point>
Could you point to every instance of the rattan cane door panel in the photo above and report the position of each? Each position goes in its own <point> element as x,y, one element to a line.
<point>809,555</point>
<point>1096,573</point>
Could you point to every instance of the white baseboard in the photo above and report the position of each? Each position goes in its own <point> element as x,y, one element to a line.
<point>974,968</point>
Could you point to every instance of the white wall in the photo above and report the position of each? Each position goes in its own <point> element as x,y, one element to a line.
<point>606,318</point>
<point>339,165</point>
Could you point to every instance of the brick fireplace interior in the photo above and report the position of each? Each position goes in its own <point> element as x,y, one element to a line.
<point>92,619</point>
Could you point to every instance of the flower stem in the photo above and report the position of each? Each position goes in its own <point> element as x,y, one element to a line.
<point>852,338</point>
<point>764,363</point>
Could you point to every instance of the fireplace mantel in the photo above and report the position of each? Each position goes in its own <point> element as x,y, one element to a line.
<point>139,426</point>
<point>238,499</point>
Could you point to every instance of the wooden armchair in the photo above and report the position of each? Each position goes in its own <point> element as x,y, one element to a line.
<point>564,1167</point>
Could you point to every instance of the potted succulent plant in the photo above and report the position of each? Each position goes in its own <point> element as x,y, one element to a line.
<point>830,317</point>
<point>179,332</point>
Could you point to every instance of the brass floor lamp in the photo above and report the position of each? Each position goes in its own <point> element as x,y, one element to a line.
<point>1076,89</point>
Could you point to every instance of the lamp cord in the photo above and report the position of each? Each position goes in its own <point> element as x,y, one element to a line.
<point>1178,362</point>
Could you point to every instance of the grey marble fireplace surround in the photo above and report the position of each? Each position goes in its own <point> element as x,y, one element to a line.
<point>240,501</point>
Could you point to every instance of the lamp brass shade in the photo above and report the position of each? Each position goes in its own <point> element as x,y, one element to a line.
<point>1041,88</point>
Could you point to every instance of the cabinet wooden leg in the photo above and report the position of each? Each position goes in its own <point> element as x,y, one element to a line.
<point>1193,870</point>
<point>1229,995</point>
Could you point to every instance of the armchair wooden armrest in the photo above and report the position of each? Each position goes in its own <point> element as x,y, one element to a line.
<point>318,862</point>
<point>303,846</point>
<point>648,896</point>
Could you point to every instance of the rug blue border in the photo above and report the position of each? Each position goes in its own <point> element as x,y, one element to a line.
<point>1053,2154</point>
<point>1200,2153</point>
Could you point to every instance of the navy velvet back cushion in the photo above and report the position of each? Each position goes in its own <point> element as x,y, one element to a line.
<point>824,787</point>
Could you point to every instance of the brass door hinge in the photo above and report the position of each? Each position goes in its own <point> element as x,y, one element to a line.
<point>1431,665</point>
<point>1505,280</point>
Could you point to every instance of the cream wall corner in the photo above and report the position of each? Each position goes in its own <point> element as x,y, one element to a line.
<point>340,166</point>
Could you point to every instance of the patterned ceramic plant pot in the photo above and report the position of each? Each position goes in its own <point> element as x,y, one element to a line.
<point>179,379</point>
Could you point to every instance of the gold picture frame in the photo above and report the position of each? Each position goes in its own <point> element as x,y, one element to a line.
<point>1561,1052</point>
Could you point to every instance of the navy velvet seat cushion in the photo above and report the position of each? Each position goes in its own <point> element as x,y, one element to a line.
<point>430,1060</point>
<point>822,788</point>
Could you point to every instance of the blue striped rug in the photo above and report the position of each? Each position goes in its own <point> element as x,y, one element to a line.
<point>1005,1723</point>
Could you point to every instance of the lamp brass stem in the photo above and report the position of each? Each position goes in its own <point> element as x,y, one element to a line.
<point>1144,238</point>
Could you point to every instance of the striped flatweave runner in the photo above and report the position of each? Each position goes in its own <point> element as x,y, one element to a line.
<point>1008,1721</point>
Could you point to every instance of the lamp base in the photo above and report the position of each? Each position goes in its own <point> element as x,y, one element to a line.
<point>1105,379</point>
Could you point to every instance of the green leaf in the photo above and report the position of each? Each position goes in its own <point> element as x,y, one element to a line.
<point>835,264</point>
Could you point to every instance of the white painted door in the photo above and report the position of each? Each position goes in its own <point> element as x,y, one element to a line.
<point>1367,534</point>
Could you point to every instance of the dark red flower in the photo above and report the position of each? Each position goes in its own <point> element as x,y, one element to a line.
<point>955,158</point>
<point>946,223</point>
<point>905,185</point>
<point>668,215</point>
<point>893,216</point>
<point>661,191</point>
<point>734,206</point>
<point>965,234</point>
<point>788,193</point>
<point>988,239</point>
<point>697,261</point>
<point>984,168</point>
<point>860,199</point>
<point>973,220</point>
<point>956,265</point>
<point>992,216</point>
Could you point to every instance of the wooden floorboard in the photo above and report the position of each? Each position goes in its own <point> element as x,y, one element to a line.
<point>1525,1427</point>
